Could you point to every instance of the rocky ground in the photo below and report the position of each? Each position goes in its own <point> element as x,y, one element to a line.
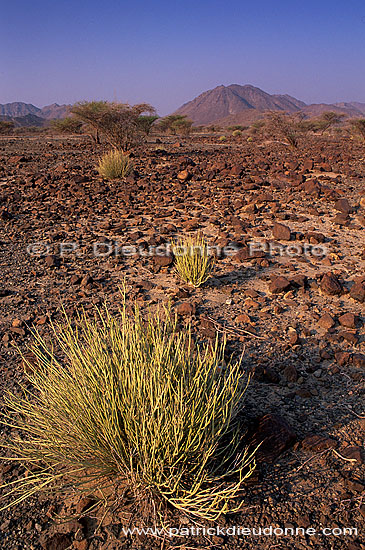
<point>293,300</point>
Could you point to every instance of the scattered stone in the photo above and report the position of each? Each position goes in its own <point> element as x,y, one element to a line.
<point>342,205</point>
<point>185,308</point>
<point>317,443</point>
<point>279,285</point>
<point>348,320</point>
<point>342,358</point>
<point>330,285</point>
<point>357,292</point>
<point>358,360</point>
<point>326,321</point>
<point>354,453</point>
<point>281,232</point>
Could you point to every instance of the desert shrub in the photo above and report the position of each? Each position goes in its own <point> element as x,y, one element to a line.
<point>145,123</point>
<point>284,127</point>
<point>193,263</point>
<point>68,125</point>
<point>6,127</point>
<point>236,133</point>
<point>236,127</point>
<point>358,127</point>
<point>115,164</point>
<point>175,124</point>
<point>249,139</point>
<point>322,123</point>
<point>119,123</point>
<point>222,138</point>
<point>134,404</point>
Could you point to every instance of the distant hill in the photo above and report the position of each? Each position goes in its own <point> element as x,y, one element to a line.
<point>235,104</point>
<point>18,110</point>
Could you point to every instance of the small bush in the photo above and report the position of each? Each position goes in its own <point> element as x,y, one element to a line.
<point>222,138</point>
<point>249,139</point>
<point>358,127</point>
<point>134,404</point>
<point>6,127</point>
<point>236,133</point>
<point>115,164</point>
<point>192,260</point>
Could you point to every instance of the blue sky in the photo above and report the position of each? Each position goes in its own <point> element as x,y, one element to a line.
<point>167,52</point>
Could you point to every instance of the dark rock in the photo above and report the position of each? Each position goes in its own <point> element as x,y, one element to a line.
<point>275,436</point>
<point>357,292</point>
<point>354,453</point>
<point>281,232</point>
<point>342,205</point>
<point>342,358</point>
<point>278,285</point>
<point>358,360</point>
<point>185,308</point>
<point>348,320</point>
<point>330,285</point>
<point>326,321</point>
<point>290,373</point>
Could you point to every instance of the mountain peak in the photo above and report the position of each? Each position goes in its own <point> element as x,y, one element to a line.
<point>234,100</point>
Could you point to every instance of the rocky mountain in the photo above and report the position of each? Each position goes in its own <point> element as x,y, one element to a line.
<point>235,104</point>
<point>19,109</point>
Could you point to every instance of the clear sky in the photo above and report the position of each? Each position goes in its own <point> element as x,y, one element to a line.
<point>168,51</point>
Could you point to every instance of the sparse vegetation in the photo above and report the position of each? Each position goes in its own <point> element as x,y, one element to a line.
<point>322,123</point>
<point>115,164</point>
<point>68,125</point>
<point>193,262</point>
<point>133,403</point>
<point>222,138</point>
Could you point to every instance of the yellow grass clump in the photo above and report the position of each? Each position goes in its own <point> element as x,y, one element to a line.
<point>133,402</point>
<point>115,164</point>
<point>193,263</point>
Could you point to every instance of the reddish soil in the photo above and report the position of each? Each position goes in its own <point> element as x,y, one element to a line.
<point>299,319</point>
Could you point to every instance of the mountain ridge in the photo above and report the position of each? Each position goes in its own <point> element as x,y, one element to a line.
<point>18,109</point>
<point>240,104</point>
